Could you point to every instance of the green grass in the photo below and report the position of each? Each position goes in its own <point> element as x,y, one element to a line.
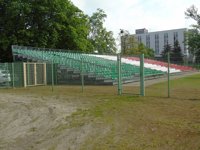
<point>133,122</point>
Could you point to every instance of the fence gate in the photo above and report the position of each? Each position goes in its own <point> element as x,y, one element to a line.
<point>34,74</point>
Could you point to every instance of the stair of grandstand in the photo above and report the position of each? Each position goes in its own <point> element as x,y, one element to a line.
<point>97,69</point>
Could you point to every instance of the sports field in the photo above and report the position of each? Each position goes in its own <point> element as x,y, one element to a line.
<point>37,118</point>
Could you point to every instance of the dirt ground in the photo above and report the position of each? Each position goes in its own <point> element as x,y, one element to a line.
<point>31,122</point>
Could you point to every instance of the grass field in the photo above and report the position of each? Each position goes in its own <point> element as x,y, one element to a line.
<point>37,118</point>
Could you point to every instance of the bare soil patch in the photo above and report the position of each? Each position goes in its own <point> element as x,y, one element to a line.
<point>30,121</point>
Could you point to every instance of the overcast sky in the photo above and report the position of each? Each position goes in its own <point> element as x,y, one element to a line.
<point>154,15</point>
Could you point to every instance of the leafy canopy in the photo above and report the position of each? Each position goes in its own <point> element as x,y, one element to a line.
<point>130,46</point>
<point>101,39</point>
<point>193,35</point>
<point>51,24</point>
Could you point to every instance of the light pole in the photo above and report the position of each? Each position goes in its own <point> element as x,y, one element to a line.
<point>123,35</point>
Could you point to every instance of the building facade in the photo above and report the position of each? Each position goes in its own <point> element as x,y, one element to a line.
<point>157,40</point>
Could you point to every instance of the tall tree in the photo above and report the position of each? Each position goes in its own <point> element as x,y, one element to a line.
<point>176,55</point>
<point>130,46</point>
<point>167,48</point>
<point>46,23</point>
<point>101,39</point>
<point>128,43</point>
<point>193,35</point>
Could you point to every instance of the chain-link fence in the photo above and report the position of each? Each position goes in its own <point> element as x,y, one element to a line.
<point>24,74</point>
<point>11,75</point>
<point>59,67</point>
<point>177,66</point>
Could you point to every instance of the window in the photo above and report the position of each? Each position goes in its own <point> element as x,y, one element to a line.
<point>185,46</point>
<point>139,39</point>
<point>175,36</point>
<point>157,43</point>
<point>165,38</point>
<point>148,41</point>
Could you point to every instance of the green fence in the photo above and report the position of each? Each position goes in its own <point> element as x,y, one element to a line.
<point>11,75</point>
<point>25,74</point>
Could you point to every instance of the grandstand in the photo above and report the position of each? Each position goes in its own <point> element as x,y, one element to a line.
<point>97,69</point>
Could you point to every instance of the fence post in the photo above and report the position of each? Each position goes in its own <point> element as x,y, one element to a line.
<point>82,76</point>
<point>24,74</point>
<point>13,75</point>
<point>35,74</point>
<point>142,84</point>
<point>119,74</point>
<point>28,72</point>
<point>45,73</point>
<point>168,74</point>
<point>52,76</point>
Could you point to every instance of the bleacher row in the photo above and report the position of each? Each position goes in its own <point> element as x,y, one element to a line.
<point>163,65</point>
<point>99,65</point>
<point>136,62</point>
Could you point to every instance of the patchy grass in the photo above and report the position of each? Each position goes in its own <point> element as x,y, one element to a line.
<point>127,121</point>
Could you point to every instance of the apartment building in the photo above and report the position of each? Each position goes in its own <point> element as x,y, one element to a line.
<point>157,40</point>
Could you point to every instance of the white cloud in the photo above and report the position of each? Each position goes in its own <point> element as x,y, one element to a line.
<point>133,14</point>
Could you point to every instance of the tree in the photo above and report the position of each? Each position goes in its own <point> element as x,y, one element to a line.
<point>176,55</point>
<point>167,48</point>
<point>150,53</point>
<point>193,35</point>
<point>175,52</point>
<point>193,40</point>
<point>102,40</point>
<point>128,43</point>
<point>130,46</point>
<point>46,23</point>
